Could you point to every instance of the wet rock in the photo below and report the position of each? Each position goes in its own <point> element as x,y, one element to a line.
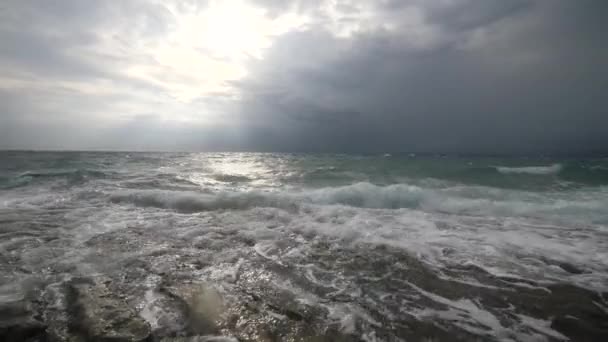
<point>22,330</point>
<point>96,314</point>
<point>581,329</point>
<point>200,339</point>
<point>55,313</point>
<point>578,313</point>
<point>18,322</point>
<point>288,306</point>
<point>268,313</point>
<point>566,266</point>
<point>570,268</point>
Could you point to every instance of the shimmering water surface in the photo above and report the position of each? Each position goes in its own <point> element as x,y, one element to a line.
<point>298,247</point>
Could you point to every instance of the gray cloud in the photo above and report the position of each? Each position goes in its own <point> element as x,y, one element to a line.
<point>527,77</point>
<point>467,76</point>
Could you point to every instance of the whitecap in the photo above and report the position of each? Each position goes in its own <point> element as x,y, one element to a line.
<point>533,170</point>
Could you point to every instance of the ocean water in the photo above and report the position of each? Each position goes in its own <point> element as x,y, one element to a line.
<point>314,247</point>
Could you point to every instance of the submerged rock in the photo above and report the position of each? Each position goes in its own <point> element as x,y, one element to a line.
<point>202,303</point>
<point>17,323</point>
<point>96,314</point>
<point>201,339</point>
<point>570,268</point>
<point>22,330</point>
<point>18,319</point>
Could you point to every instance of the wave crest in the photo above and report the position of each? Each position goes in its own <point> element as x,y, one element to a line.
<point>456,200</point>
<point>362,195</point>
<point>190,202</point>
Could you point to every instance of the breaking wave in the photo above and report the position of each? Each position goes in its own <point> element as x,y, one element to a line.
<point>74,176</point>
<point>456,200</point>
<point>189,202</point>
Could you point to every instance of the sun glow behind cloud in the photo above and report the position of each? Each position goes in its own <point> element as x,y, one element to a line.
<point>207,49</point>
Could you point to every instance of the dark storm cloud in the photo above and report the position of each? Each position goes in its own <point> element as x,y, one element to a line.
<point>479,76</point>
<point>503,77</point>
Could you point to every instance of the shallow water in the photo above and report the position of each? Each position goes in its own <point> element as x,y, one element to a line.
<point>308,247</point>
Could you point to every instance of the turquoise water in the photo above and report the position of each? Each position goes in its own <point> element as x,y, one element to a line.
<point>309,170</point>
<point>570,189</point>
<point>18,168</point>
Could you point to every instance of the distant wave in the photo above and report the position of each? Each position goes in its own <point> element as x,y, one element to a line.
<point>72,176</point>
<point>229,178</point>
<point>533,170</point>
<point>14,182</point>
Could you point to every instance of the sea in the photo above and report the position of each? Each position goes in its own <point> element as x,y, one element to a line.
<point>302,247</point>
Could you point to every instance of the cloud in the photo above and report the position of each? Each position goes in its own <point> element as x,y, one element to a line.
<point>464,76</point>
<point>513,78</point>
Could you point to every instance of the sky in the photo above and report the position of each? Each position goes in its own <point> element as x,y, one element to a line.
<point>438,76</point>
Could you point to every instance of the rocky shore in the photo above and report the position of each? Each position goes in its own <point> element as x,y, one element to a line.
<point>137,302</point>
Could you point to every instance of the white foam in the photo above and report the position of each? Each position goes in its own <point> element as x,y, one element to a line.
<point>348,315</point>
<point>511,247</point>
<point>348,324</point>
<point>264,249</point>
<point>469,316</point>
<point>506,233</point>
<point>465,312</point>
<point>542,326</point>
<point>150,311</point>
<point>184,201</point>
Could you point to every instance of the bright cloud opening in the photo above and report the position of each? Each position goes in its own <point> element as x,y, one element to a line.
<point>208,48</point>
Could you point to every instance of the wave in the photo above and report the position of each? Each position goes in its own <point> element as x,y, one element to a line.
<point>466,200</point>
<point>72,176</point>
<point>366,195</point>
<point>14,182</point>
<point>397,196</point>
<point>551,176</point>
<point>65,173</point>
<point>533,170</point>
<point>190,202</point>
<point>362,195</point>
